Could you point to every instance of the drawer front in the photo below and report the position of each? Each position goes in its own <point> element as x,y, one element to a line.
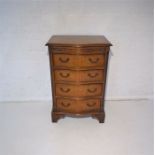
<point>93,49</point>
<point>85,50</point>
<point>81,76</point>
<point>66,60</point>
<point>78,106</point>
<point>66,75</point>
<point>91,60</point>
<point>78,90</point>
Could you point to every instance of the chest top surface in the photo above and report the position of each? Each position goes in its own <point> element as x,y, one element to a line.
<point>78,40</point>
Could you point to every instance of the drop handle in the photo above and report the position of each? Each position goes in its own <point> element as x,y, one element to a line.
<point>94,61</point>
<point>64,60</point>
<point>91,104</point>
<point>92,75</point>
<point>65,90</point>
<point>92,90</point>
<point>65,104</point>
<point>64,75</point>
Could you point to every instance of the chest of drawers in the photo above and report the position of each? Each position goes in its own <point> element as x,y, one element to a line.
<point>78,66</point>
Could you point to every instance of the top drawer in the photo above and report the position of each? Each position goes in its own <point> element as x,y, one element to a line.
<point>80,50</point>
<point>79,61</point>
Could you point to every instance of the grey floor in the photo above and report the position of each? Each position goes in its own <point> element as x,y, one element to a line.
<point>26,129</point>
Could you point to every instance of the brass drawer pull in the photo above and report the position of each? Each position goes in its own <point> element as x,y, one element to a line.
<point>92,75</point>
<point>65,104</point>
<point>64,75</point>
<point>91,104</point>
<point>65,90</point>
<point>64,61</point>
<point>93,61</point>
<point>92,90</point>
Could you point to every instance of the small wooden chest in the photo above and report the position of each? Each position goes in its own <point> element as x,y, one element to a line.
<point>78,66</point>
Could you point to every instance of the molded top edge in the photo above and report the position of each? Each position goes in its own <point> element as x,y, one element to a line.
<point>78,40</point>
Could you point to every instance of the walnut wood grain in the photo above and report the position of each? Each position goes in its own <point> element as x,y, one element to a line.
<point>65,60</point>
<point>78,90</point>
<point>78,67</point>
<point>78,41</point>
<point>78,106</point>
<point>78,50</point>
<point>78,76</point>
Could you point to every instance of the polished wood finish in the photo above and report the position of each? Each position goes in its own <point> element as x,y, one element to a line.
<point>78,40</point>
<point>81,61</point>
<point>78,90</point>
<point>78,106</point>
<point>78,76</point>
<point>78,66</point>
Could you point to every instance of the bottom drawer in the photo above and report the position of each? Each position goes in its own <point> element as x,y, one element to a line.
<point>78,106</point>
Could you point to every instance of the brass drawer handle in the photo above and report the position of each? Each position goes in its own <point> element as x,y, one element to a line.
<point>93,61</point>
<point>91,104</point>
<point>92,75</point>
<point>64,61</point>
<point>64,75</point>
<point>65,104</point>
<point>92,90</point>
<point>65,90</point>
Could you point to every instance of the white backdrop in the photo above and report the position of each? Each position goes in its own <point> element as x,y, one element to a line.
<point>25,27</point>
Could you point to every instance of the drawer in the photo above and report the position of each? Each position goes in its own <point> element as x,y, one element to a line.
<point>78,106</point>
<point>82,76</point>
<point>89,50</point>
<point>84,50</point>
<point>63,50</point>
<point>66,60</point>
<point>78,90</point>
